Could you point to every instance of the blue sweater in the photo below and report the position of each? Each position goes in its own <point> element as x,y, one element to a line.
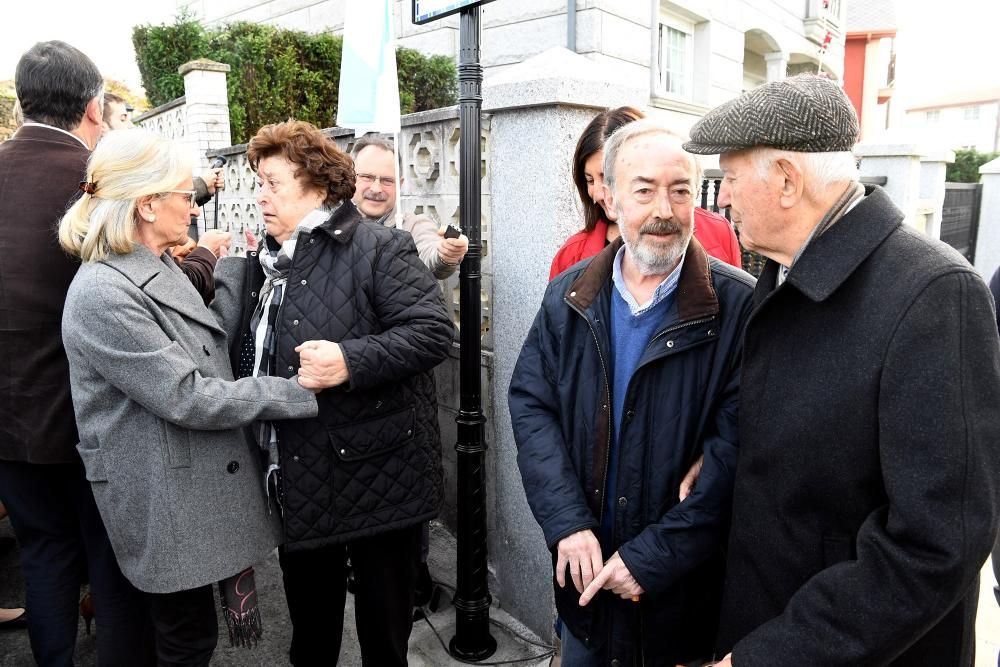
<point>630,334</point>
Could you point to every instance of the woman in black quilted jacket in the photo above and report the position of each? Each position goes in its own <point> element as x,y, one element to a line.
<point>349,306</point>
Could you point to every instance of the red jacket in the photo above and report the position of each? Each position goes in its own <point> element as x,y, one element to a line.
<point>711,229</point>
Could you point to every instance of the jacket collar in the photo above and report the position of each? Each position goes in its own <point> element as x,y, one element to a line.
<point>695,296</point>
<point>831,258</point>
<point>152,275</point>
<point>342,224</point>
<point>39,132</point>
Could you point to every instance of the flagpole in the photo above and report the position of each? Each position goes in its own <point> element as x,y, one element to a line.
<point>472,641</point>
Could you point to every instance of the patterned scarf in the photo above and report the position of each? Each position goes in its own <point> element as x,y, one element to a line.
<point>276,265</point>
<point>239,593</point>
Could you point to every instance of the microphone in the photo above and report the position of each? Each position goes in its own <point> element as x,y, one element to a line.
<point>217,163</point>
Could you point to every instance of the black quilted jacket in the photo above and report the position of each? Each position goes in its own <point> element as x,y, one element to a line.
<point>371,461</point>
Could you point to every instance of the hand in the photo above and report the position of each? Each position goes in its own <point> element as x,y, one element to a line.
<point>582,553</point>
<point>322,364</point>
<point>616,578</point>
<point>184,249</point>
<point>214,180</point>
<point>252,242</point>
<point>691,478</point>
<point>725,662</point>
<point>452,251</point>
<point>215,240</point>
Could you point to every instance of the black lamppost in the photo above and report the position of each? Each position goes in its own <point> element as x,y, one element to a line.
<point>472,640</point>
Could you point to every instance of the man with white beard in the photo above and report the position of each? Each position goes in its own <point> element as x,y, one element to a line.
<point>629,373</point>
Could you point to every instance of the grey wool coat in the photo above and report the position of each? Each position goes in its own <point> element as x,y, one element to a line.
<point>177,482</point>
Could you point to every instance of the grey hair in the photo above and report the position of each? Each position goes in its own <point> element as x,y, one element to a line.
<point>125,167</point>
<point>824,169</point>
<point>634,130</point>
<point>373,140</point>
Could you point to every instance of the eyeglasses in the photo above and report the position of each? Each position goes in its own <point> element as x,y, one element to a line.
<point>386,181</point>
<point>190,195</point>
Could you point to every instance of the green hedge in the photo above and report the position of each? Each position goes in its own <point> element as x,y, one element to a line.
<point>965,168</point>
<point>276,74</point>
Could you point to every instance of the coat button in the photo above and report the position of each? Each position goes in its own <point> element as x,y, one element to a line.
<point>670,343</point>
<point>252,253</point>
<point>295,323</point>
<point>629,415</point>
<point>336,232</point>
<point>616,663</point>
<point>312,240</point>
<point>623,501</point>
<point>233,467</point>
<point>253,294</point>
<point>409,431</point>
<point>295,458</point>
<point>291,368</point>
<point>305,282</point>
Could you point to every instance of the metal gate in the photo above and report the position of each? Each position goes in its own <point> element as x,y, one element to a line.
<point>960,217</point>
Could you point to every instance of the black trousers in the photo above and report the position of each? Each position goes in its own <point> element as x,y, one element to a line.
<point>63,542</point>
<point>385,573</point>
<point>185,625</point>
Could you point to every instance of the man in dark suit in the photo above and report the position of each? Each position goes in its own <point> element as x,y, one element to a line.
<point>63,540</point>
<point>866,495</point>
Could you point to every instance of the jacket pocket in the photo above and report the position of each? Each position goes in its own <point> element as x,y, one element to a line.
<point>93,463</point>
<point>365,439</point>
<point>378,468</point>
<point>178,444</point>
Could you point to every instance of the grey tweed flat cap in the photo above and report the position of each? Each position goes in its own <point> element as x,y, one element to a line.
<point>804,113</point>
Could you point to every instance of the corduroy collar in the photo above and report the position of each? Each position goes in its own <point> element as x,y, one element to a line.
<point>695,296</point>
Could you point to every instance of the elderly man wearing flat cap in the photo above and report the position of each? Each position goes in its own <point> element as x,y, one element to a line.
<point>866,491</point>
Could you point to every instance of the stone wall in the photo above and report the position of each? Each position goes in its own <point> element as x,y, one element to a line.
<point>7,122</point>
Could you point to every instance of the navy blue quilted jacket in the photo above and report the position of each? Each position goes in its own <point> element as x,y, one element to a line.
<point>681,402</point>
<point>371,461</point>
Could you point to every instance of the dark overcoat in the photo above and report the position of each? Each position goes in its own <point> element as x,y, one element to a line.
<point>40,172</point>
<point>866,491</point>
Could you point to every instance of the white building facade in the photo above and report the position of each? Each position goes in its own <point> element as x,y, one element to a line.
<point>961,120</point>
<point>690,55</point>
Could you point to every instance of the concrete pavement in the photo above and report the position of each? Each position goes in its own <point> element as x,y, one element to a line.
<point>426,649</point>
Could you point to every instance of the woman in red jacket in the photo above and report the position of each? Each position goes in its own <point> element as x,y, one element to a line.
<point>712,230</point>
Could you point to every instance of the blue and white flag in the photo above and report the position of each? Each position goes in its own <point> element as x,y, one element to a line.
<point>369,89</point>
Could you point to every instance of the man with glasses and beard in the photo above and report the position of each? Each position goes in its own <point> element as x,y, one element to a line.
<point>629,373</point>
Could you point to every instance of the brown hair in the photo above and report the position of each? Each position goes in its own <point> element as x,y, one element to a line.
<point>592,140</point>
<point>319,163</point>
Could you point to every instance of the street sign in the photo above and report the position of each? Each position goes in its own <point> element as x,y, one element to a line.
<point>425,11</point>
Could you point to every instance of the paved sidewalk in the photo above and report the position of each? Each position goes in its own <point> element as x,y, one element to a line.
<point>426,649</point>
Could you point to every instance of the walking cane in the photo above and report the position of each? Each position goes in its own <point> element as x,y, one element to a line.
<point>217,163</point>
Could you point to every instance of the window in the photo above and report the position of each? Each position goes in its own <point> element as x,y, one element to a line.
<point>675,64</point>
<point>971,113</point>
<point>675,59</point>
<point>933,116</point>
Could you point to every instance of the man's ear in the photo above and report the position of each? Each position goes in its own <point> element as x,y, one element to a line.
<point>792,183</point>
<point>95,111</point>
<point>608,203</point>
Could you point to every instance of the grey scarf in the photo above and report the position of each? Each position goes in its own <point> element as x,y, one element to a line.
<point>276,265</point>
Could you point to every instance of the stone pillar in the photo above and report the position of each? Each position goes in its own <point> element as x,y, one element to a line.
<point>988,239</point>
<point>777,66</point>
<point>900,164</point>
<point>206,114</point>
<point>538,109</point>
<point>933,167</point>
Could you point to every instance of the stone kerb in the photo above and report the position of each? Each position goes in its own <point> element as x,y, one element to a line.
<point>538,109</point>
<point>988,239</point>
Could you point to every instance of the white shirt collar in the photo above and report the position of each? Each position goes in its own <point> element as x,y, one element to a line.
<point>57,129</point>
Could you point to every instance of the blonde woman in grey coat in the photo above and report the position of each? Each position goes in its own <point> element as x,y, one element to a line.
<point>177,483</point>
